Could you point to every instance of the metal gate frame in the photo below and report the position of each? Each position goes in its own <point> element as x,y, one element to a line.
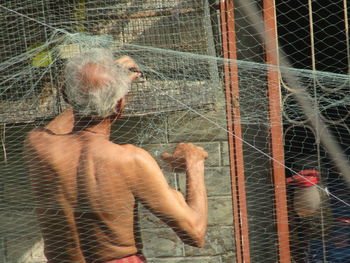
<point>235,131</point>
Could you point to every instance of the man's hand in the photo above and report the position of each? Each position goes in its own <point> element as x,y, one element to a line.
<point>185,155</point>
<point>130,64</point>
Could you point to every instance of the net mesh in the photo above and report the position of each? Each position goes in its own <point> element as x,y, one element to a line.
<point>182,97</point>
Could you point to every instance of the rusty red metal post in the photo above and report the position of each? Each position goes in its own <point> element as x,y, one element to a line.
<point>235,133</point>
<point>277,145</point>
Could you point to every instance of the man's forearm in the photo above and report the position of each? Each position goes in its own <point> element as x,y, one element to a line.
<point>63,123</point>
<point>196,194</point>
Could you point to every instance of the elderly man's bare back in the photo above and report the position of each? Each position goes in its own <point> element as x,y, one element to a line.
<point>105,173</point>
<point>87,186</point>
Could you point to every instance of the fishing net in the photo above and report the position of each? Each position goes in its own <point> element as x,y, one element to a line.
<point>192,91</point>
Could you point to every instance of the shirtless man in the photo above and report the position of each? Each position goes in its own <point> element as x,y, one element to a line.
<point>87,187</point>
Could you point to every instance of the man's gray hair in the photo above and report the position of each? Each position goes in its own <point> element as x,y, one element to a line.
<point>95,99</point>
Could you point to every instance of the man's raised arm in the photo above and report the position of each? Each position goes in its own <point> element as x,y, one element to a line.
<point>188,218</point>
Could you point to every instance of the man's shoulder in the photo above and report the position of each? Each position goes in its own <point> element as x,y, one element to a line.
<point>35,136</point>
<point>128,149</point>
<point>42,134</point>
<point>43,140</point>
<point>132,151</point>
<point>36,143</point>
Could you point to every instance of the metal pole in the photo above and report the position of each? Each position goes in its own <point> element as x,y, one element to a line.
<point>277,145</point>
<point>234,127</point>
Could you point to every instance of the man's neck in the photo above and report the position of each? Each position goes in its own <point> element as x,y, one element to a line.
<point>93,125</point>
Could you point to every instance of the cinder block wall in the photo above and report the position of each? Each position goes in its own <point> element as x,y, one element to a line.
<point>20,239</point>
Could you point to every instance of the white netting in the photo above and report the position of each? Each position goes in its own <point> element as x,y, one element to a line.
<point>181,97</point>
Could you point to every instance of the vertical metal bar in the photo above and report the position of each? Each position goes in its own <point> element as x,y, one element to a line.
<point>313,61</point>
<point>346,21</point>
<point>234,125</point>
<point>312,39</point>
<point>277,146</point>
<point>238,134</point>
<point>235,205</point>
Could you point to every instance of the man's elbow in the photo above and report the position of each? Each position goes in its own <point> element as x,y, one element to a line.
<point>200,237</point>
<point>195,241</point>
<point>198,230</point>
<point>200,244</point>
<point>190,234</point>
<point>196,237</point>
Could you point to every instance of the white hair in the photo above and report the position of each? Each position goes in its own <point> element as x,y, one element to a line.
<point>99,100</point>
